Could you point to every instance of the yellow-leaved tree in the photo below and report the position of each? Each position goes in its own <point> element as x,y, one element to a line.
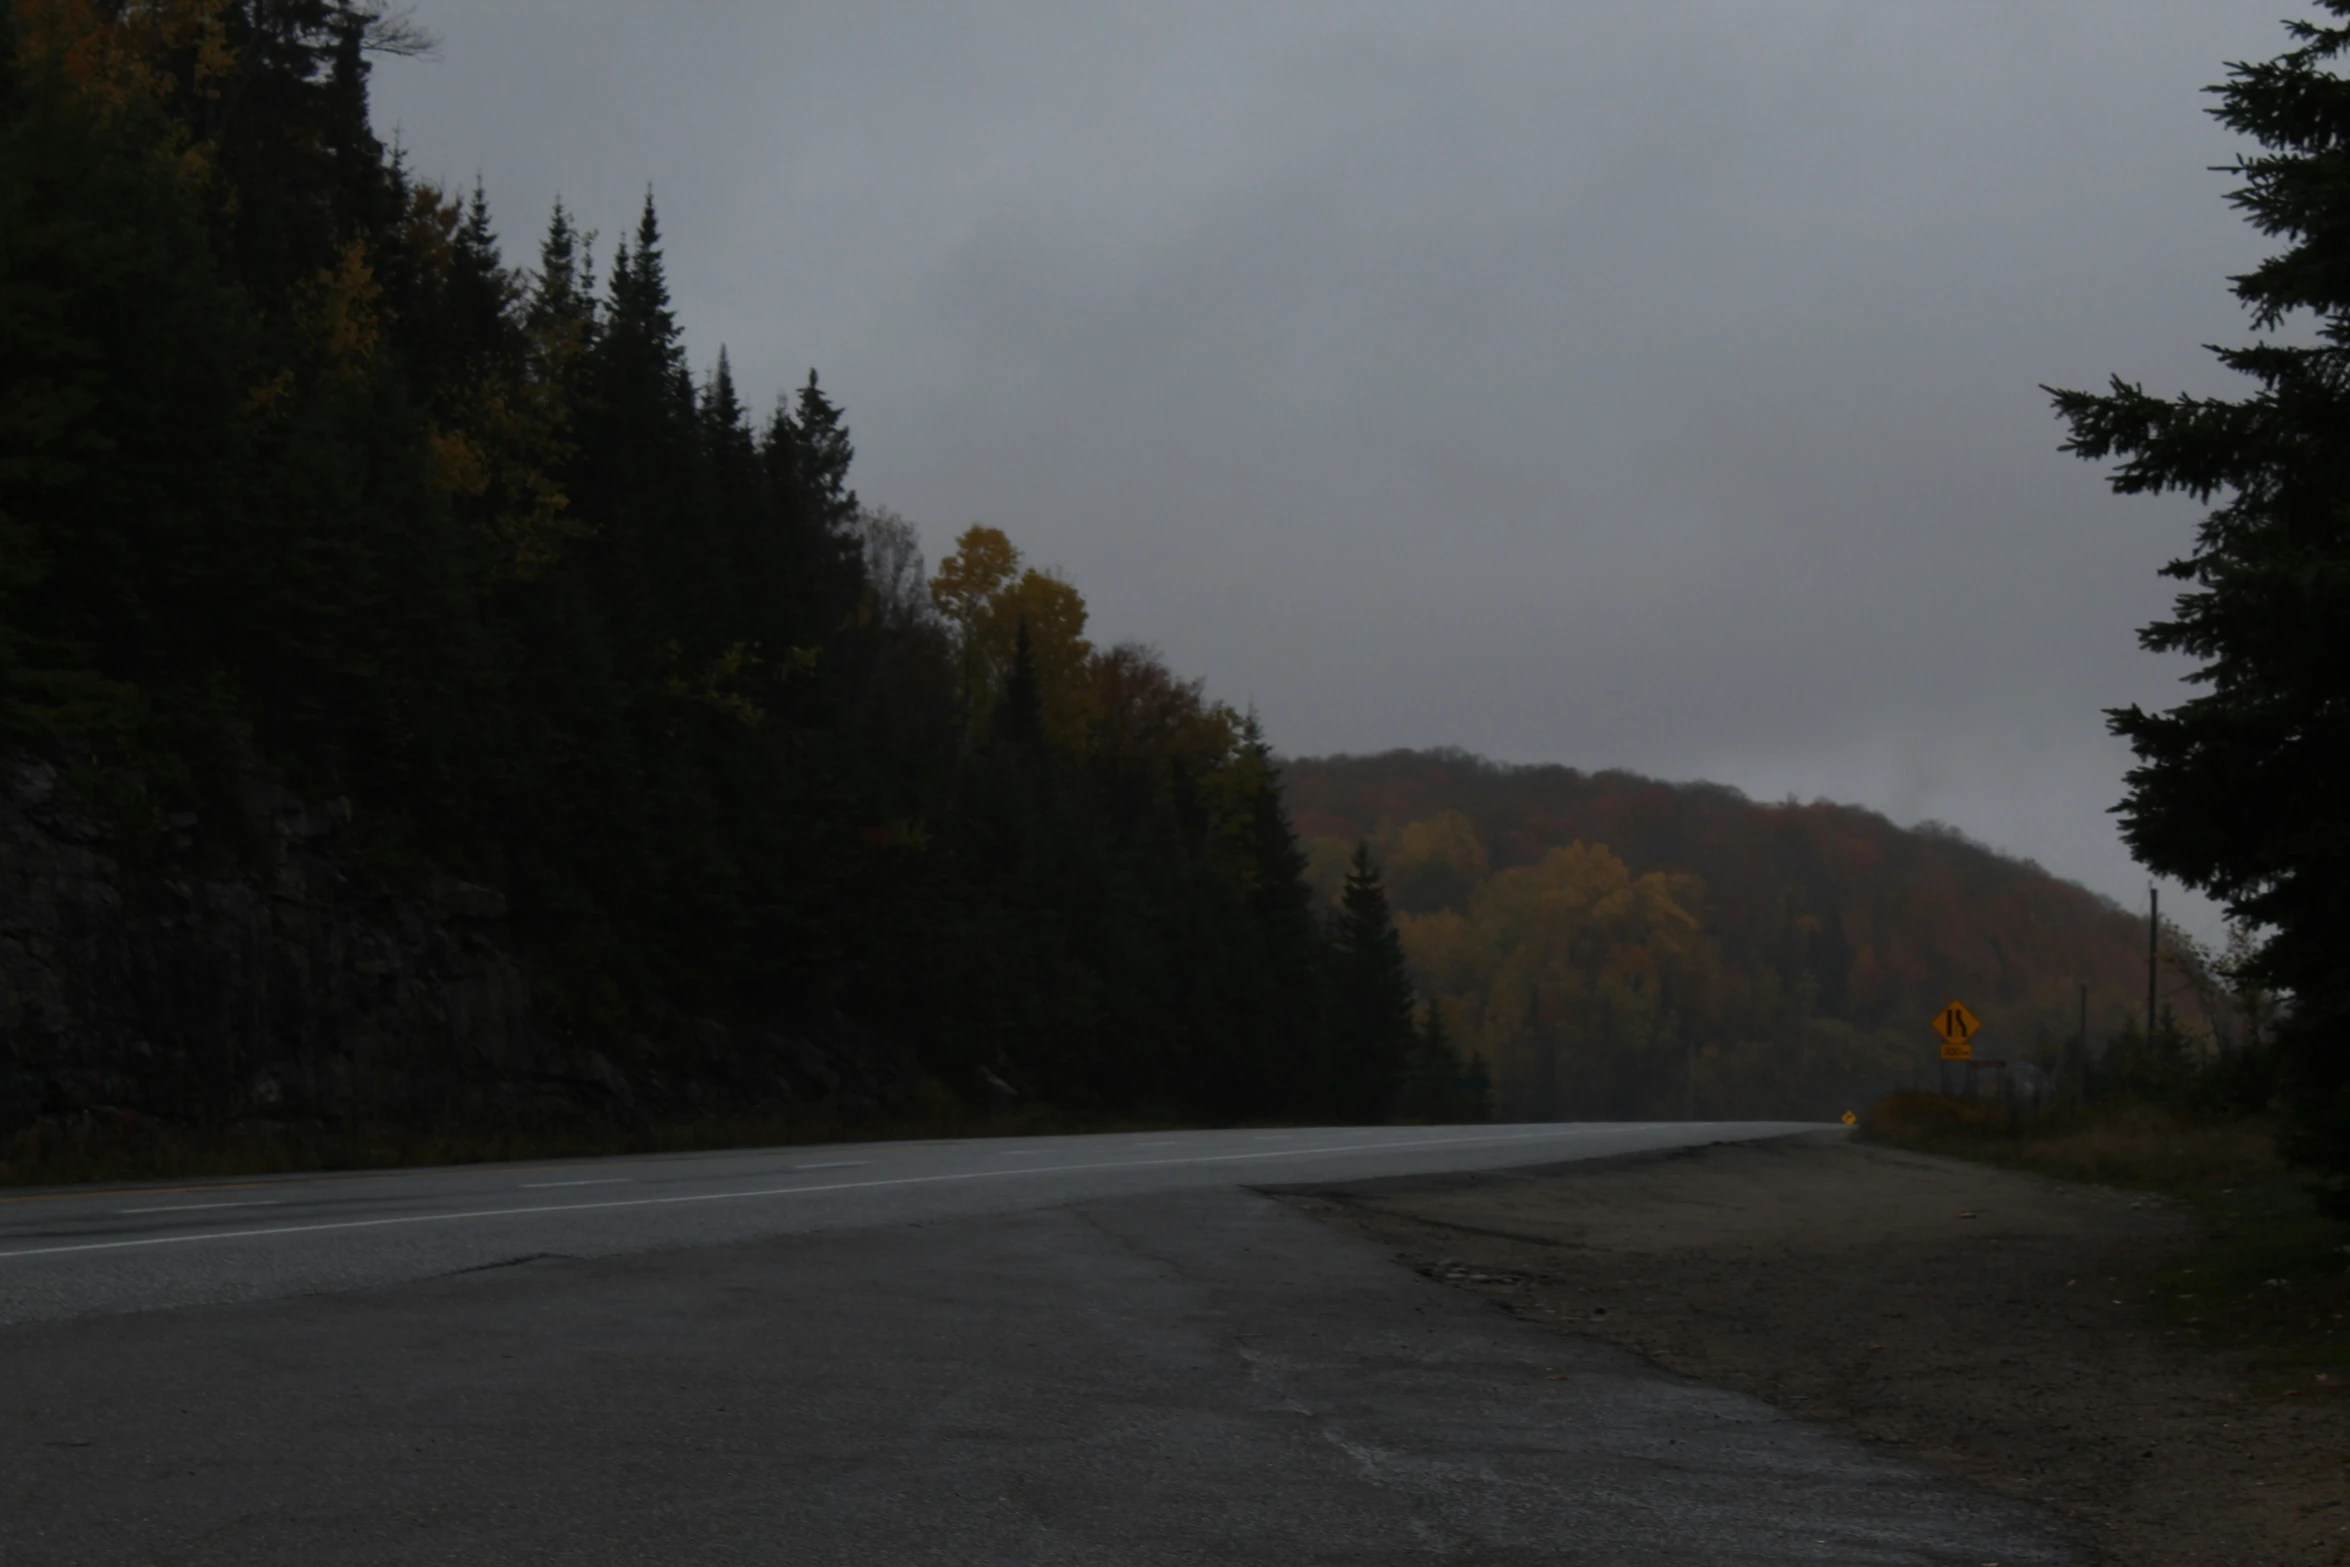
<point>1436,864</point>
<point>1562,973</point>
<point>986,594</point>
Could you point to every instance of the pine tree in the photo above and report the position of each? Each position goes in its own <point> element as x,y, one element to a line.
<point>478,333</point>
<point>641,319</point>
<point>1432,1080</point>
<point>123,358</point>
<point>824,452</point>
<point>2236,790</point>
<point>1018,715</point>
<point>1373,1035</point>
<point>1476,1089</point>
<point>819,541</point>
<point>562,300</point>
<point>287,444</point>
<point>1258,966</point>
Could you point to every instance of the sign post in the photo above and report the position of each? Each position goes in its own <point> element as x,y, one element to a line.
<point>1957,1028</point>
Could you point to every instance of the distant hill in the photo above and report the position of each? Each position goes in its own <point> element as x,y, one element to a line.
<point>1618,946</point>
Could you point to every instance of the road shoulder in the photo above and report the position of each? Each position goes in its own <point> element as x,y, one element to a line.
<point>1159,1380</point>
<point>1995,1323</point>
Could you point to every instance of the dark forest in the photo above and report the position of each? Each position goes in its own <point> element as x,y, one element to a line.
<point>304,477</point>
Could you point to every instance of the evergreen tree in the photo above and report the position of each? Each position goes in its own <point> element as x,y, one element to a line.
<point>1433,1090</point>
<point>641,326</point>
<point>2235,790</point>
<point>1373,1035</point>
<point>562,300</point>
<point>478,335</point>
<point>820,437</point>
<point>123,356</point>
<point>1268,1054</point>
<point>1476,1089</point>
<point>808,452</point>
<point>288,453</point>
<point>1018,715</point>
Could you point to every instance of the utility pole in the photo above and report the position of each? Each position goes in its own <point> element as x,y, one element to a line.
<point>2153,941</point>
<point>2081,1056</point>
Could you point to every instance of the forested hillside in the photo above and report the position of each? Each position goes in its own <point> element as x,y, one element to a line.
<point>304,477</point>
<point>1617,946</point>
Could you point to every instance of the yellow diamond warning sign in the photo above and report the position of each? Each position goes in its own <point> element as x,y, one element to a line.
<point>1957,1026</point>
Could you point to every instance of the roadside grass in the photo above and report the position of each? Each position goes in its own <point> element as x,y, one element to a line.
<point>2115,1144</point>
<point>2271,1278</point>
<point>101,1149</point>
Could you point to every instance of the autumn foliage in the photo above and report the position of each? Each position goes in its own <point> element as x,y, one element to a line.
<point>1617,946</point>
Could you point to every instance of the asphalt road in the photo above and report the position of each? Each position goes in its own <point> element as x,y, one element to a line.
<point>81,1251</point>
<point>1079,1350</point>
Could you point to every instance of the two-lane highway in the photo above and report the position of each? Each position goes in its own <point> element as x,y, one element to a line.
<point>81,1251</point>
<point>1099,1351</point>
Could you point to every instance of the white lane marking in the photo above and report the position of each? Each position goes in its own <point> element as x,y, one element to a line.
<point>1021,1153</point>
<point>604,1180</point>
<point>1489,1140</point>
<point>835,1164</point>
<point>191,1207</point>
<point>1158,1142</point>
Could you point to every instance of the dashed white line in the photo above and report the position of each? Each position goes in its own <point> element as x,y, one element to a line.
<point>607,1180</point>
<point>191,1207</point>
<point>835,1164</point>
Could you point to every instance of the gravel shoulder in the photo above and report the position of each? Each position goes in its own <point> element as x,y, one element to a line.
<point>2001,1324</point>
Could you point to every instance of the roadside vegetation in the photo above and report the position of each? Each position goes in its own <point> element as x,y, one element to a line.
<point>2244,1122</point>
<point>2267,1282</point>
<point>2237,790</point>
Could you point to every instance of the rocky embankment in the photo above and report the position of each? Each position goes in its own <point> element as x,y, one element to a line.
<point>297,986</point>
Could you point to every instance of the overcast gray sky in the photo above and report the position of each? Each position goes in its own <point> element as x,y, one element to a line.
<point>1625,384</point>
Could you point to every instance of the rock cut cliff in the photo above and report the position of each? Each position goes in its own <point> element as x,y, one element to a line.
<point>300,986</point>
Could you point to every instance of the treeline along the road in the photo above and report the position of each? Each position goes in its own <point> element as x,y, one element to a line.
<point>301,479</point>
